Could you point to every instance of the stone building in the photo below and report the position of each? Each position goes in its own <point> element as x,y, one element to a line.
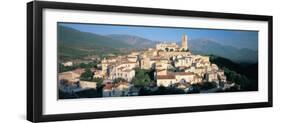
<point>87,85</point>
<point>184,44</point>
<point>166,80</point>
<point>167,46</point>
<point>184,76</point>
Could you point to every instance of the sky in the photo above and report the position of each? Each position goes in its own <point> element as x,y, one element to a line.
<point>237,38</point>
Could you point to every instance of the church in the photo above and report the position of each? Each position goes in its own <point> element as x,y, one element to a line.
<point>173,46</point>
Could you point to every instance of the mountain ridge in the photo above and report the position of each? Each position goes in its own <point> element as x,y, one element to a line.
<point>88,43</point>
<point>209,47</point>
<point>135,41</point>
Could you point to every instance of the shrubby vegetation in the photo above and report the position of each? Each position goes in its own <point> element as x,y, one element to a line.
<point>195,88</point>
<point>142,77</point>
<point>207,85</point>
<point>87,75</point>
<point>119,80</point>
<point>64,95</point>
<point>91,93</point>
<point>63,68</point>
<point>245,75</point>
<point>175,70</point>
<point>92,64</point>
<point>183,50</point>
<point>160,91</point>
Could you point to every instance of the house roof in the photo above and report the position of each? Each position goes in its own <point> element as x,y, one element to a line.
<point>108,86</point>
<point>160,70</point>
<point>70,76</point>
<point>165,76</point>
<point>183,73</point>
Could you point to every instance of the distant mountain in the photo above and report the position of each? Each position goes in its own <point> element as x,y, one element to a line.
<point>135,41</point>
<point>203,46</point>
<point>74,43</point>
<point>70,36</point>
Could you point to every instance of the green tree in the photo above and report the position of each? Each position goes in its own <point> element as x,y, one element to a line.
<point>99,81</point>
<point>241,80</point>
<point>89,65</point>
<point>119,80</point>
<point>179,70</point>
<point>93,64</point>
<point>100,86</point>
<point>63,68</point>
<point>171,69</point>
<point>182,50</point>
<point>83,65</point>
<point>167,49</point>
<point>207,85</point>
<point>194,89</point>
<point>87,75</point>
<point>141,78</point>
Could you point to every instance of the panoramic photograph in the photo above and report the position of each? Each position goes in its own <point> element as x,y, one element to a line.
<point>104,60</point>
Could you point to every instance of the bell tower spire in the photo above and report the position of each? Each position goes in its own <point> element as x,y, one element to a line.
<point>184,42</point>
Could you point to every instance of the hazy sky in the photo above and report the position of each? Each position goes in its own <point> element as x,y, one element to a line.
<point>236,38</point>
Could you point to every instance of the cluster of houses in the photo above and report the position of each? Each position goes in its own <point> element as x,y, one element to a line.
<point>174,65</point>
<point>69,82</point>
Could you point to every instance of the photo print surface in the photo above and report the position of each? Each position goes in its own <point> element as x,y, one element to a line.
<point>103,60</point>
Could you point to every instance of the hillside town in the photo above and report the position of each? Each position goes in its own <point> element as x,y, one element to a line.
<point>169,65</point>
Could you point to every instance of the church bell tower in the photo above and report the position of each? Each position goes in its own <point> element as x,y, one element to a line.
<point>184,42</point>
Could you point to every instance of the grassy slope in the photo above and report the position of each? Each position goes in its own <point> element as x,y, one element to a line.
<point>74,44</point>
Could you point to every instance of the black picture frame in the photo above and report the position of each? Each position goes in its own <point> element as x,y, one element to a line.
<point>35,69</point>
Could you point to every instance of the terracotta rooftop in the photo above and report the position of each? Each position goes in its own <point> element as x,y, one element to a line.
<point>165,77</point>
<point>108,86</point>
<point>70,76</point>
<point>184,73</point>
